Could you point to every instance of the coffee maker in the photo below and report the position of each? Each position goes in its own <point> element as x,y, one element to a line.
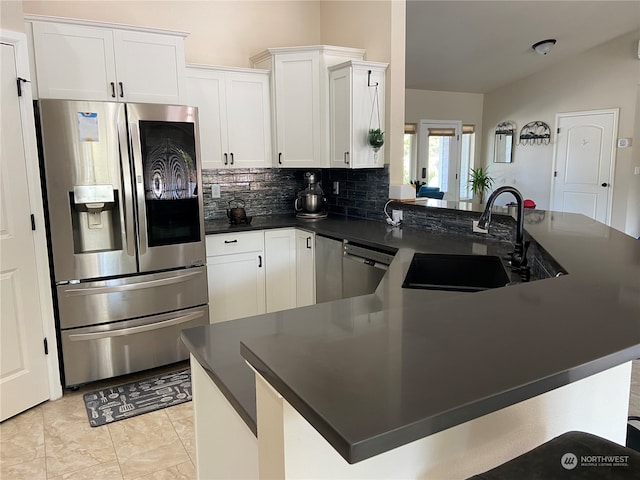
<point>310,202</point>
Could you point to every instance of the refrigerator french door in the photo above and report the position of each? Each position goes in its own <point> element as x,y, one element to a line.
<point>125,221</point>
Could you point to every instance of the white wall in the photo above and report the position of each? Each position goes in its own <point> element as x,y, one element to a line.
<point>434,105</point>
<point>221,32</point>
<point>11,15</point>
<point>604,77</point>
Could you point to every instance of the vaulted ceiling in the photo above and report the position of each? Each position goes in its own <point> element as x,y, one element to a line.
<point>478,46</point>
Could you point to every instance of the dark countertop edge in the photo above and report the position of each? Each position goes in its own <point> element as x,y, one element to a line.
<point>248,420</point>
<point>385,442</point>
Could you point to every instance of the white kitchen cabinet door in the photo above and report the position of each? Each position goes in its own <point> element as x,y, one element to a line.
<point>280,257</point>
<point>305,268</point>
<point>74,62</point>
<point>205,90</point>
<point>248,119</point>
<point>234,109</point>
<point>150,67</point>
<point>356,104</point>
<point>236,286</point>
<point>341,124</point>
<point>94,62</point>
<point>297,109</point>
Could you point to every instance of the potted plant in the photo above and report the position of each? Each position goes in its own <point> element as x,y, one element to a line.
<point>480,181</point>
<point>376,138</point>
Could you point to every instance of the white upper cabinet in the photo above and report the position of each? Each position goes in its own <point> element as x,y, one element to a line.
<point>300,93</point>
<point>234,108</point>
<point>91,61</point>
<point>356,96</point>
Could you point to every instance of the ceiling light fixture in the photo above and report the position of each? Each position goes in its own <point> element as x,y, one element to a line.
<point>544,46</point>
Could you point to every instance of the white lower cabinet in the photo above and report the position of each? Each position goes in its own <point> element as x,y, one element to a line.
<point>280,257</point>
<point>250,273</point>
<point>236,275</point>
<point>305,268</point>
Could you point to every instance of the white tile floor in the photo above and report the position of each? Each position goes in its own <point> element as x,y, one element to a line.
<point>54,441</point>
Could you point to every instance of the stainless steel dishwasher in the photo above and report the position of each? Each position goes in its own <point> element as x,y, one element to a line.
<point>362,268</point>
<point>328,269</point>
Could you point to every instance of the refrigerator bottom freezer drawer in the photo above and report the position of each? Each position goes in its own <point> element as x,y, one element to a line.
<point>105,351</point>
<point>105,301</point>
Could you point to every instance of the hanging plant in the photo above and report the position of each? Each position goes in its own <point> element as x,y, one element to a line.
<point>376,135</point>
<point>376,138</point>
<point>479,180</point>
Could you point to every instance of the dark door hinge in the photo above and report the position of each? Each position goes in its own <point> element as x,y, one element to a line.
<point>46,346</point>
<point>555,174</point>
<point>33,222</point>
<point>558,130</point>
<point>19,81</point>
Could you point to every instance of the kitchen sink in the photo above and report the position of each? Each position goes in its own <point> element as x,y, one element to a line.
<point>462,273</point>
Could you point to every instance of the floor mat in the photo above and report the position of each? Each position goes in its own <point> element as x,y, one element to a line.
<point>125,401</point>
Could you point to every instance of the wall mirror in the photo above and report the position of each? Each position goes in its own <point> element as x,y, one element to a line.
<point>504,141</point>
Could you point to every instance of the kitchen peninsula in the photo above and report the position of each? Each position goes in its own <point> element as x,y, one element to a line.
<point>427,384</point>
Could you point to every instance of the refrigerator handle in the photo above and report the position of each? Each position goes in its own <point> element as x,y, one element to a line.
<point>137,171</point>
<point>132,330</point>
<point>127,196</point>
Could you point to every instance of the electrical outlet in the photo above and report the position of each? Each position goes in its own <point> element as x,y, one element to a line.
<point>336,188</point>
<point>396,215</point>
<point>477,229</point>
<point>636,170</point>
<point>624,142</point>
<point>215,190</point>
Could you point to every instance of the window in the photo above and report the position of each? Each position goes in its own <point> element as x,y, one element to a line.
<point>410,152</point>
<point>467,149</point>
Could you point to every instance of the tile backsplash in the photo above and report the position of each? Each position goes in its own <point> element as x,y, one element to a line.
<point>272,191</point>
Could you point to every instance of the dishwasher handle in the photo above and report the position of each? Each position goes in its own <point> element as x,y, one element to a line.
<point>366,261</point>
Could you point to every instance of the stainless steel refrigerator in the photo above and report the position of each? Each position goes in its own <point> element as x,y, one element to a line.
<point>124,202</point>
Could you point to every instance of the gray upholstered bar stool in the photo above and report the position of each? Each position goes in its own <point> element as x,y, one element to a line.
<point>572,455</point>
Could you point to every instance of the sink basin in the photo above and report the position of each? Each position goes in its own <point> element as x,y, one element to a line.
<point>462,273</point>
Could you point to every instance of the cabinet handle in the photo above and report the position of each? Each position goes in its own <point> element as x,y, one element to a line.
<point>308,240</point>
<point>231,241</point>
<point>605,184</point>
<point>259,261</point>
<point>226,160</point>
<point>280,158</point>
<point>231,158</point>
<point>113,89</point>
<point>346,158</point>
<point>121,89</point>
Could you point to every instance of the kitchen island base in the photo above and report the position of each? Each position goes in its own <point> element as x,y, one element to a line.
<point>225,446</point>
<point>290,447</point>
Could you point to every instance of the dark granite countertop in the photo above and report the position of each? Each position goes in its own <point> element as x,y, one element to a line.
<point>379,371</point>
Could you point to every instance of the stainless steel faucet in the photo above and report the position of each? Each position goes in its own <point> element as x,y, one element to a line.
<point>518,257</point>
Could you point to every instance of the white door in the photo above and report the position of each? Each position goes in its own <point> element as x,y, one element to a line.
<point>280,259</point>
<point>74,62</point>
<point>439,156</point>
<point>205,90</point>
<point>249,120</point>
<point>298,127</point>
<point>236,286</point>
<point>584,163</point>
<point>340,117</point>
<point>306,268</point>
<point>23,366</point>
<point>149,67</point>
